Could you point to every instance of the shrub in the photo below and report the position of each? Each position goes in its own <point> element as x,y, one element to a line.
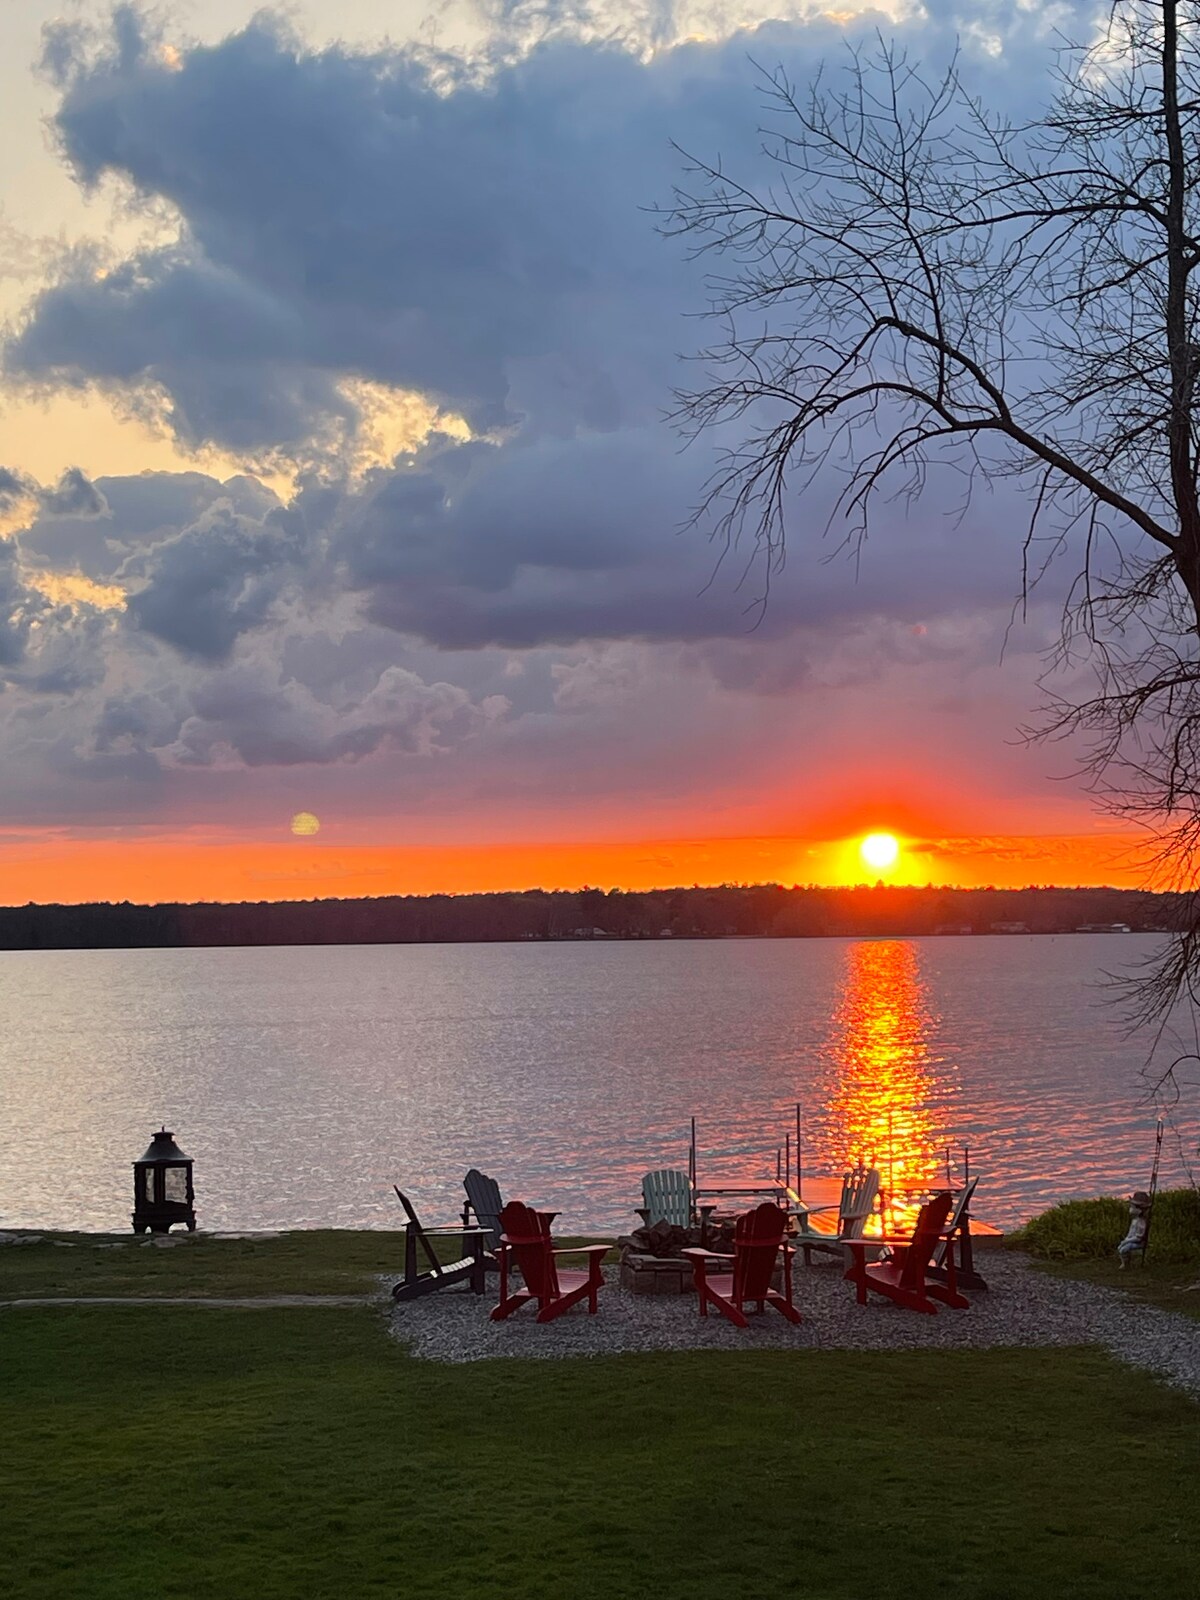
<point>1082,1230</point>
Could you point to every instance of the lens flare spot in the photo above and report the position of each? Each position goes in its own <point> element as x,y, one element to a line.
<point>879,850</point>
<point>305,824</point>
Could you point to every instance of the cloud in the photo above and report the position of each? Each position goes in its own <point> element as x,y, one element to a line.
<point>489,609</point>
<point>203,587</point>
<point>15,488</point>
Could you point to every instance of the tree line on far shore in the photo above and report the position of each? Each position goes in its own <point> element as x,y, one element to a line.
<point>726,911</point>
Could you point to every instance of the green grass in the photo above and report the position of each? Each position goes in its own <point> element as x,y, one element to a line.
<point>301,1453</point>
<point>314,1261</point>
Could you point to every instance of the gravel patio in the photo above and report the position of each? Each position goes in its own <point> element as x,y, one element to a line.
<point>1023,1306</point>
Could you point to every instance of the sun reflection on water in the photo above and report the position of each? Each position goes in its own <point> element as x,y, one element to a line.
<point>884,1100</point>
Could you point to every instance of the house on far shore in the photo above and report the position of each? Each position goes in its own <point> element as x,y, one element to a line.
<point>1009,927</point>
<point>1104,927</point>
<point>954,928</point>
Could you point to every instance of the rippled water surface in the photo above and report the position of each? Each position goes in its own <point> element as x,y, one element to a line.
<point>305,1081</point>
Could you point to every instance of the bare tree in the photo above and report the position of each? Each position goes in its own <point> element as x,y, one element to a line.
<point>925,285</point>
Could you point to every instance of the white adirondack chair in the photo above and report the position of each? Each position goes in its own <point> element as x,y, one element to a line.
<point>667,1197</point>
<point>860,1188</point>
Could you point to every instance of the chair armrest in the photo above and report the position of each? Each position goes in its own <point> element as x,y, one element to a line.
<point>583,1250</point>
<point>694,1254</point>
<point>884,1238</point>
<point>450,1228</point>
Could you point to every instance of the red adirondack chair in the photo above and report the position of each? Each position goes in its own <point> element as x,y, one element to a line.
<point>757,1240</point>
<point>904,1278</point>
<point>525,1239</point>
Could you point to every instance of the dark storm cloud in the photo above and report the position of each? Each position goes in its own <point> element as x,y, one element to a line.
<point>203,587</point>
<point>15,487</point>
<point>343,214</point>
<point>74,495</point>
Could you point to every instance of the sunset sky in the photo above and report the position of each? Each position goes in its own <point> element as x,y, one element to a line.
<point>335,480</point>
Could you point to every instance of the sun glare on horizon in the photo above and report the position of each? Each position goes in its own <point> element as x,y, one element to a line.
<point>879,850</point>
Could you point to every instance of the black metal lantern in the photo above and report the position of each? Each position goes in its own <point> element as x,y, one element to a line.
<point>162,1187</point>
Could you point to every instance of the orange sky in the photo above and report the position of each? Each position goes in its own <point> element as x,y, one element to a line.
<point>72,870</point>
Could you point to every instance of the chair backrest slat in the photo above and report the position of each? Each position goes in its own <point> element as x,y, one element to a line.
<point>528,1237</point>
<point>667,1197</point>
<point>860,1186</point>
<point>931,1222</point>
<point>756,1240</point>
<point>483,1194</point>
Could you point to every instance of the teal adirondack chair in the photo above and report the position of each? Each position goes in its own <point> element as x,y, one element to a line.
<point>667,1197</point>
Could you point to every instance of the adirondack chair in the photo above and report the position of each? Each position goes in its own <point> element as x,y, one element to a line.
<point>957,1240</point>
<point>757,1241</point>
<point>667,1197</point>
<point>860,1187</point>
<point>484,1203</point>
<point>525,1241</point>
<point>438,1274</point>
<point>905,1278</point>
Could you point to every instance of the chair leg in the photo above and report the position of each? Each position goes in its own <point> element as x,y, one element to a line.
<point>727,1308</point>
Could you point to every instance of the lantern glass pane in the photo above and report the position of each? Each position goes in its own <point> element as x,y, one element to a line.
<point>148,1183</point>
<point>175,1184</point>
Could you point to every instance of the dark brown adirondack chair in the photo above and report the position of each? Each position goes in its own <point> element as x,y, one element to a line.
<point>438,1274</point>
<point>526,1243</point>
<point>956,1241</point>
<point>757,1240</point>
<point>483,1202</point>
<point>905,1278</point>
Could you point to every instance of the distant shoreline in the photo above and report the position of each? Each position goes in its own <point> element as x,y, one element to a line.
<point>728,911</point>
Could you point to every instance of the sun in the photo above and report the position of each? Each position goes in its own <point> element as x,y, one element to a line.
<point>879,850</point>
<point>304,825</point>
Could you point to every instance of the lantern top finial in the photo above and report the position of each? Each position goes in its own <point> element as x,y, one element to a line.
<point>162,1148</point>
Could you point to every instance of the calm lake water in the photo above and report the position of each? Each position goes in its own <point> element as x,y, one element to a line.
<point>305,1081</point>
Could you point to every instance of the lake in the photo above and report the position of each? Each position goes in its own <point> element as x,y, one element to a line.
<point>305,1081</point>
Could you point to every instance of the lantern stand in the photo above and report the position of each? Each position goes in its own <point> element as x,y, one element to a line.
<point>162,1187</point>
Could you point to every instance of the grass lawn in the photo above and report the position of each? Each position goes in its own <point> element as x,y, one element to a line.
<point>313,1261</point>
<point>171,1452</point>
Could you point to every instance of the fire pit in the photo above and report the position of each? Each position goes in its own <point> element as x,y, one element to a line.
<point>652,1260</point>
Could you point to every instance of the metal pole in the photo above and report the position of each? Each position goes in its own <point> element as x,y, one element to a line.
<point>799,1159</point>
<point>787,1161</point>
<point>692,1154</point>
